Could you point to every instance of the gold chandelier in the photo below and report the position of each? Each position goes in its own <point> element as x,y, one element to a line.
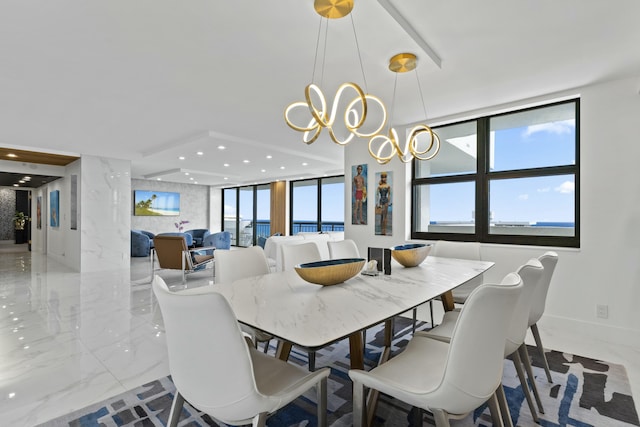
<point>354,114</point>
<point>384,147</point>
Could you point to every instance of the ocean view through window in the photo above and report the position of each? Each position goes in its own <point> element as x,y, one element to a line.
<point>510,178</point>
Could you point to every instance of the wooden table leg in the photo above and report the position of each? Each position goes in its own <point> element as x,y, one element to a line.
<point>447,301</point>
<point>283,350</point>
<point>356,354</point>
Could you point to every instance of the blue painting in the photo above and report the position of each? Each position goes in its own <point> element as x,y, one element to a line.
<point>54,211</point>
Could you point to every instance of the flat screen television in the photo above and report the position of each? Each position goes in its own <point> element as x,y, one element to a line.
<point>156,203</point>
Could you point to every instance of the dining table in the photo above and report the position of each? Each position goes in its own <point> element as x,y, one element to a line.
<point>312,316</point>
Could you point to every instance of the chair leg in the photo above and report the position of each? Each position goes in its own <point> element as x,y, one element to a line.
<point>504,406</point>
<point>524,354</point>
<point>176,410</point>
<point>431,312</point>
<point>494,408</point>
<point>321,390</point>
<point>415,319</point>
<point>517,362</point>
<point>441,418</point>
<point>536,337</point>
<point>260,420</point>
<point>312,361</point>
<point>359,405</point>
<point>266,346</point>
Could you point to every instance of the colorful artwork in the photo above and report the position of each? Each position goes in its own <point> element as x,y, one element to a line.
<point>54,204</point>
<point>39,212</point>
<point>384,202</point>
<point>156,203</point>
<point>359,194</point>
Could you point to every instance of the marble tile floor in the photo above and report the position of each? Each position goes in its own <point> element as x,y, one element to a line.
<point>69,339</point>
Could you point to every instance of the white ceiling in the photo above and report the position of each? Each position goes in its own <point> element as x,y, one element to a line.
<point>152,80</point>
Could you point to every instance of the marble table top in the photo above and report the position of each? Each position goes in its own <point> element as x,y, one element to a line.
<point>313,316</point>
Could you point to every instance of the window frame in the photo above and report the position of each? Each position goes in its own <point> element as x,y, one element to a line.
<point>483,178</point>
<point>318,183</point>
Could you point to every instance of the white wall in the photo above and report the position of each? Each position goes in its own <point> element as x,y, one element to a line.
<point>606,268</point>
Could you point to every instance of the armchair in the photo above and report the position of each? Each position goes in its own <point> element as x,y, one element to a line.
<point>188,237</point>
<point>219,240</point>
<point>174,253</point>
<point>198,235</point>
<point>141,243</point>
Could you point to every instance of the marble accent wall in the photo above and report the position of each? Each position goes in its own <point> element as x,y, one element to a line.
<point>104,211</point>
<point>7,210</point>
<point>194,207</point>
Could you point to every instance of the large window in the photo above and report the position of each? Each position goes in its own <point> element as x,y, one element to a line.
<point>317,205</point>
<point>509,178</point>
<point>253,221</point>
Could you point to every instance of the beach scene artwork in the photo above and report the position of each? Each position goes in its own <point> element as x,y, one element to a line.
<point>156,203</point>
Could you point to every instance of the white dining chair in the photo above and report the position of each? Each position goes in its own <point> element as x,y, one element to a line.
<point>299,253</point>
<point>214,369</point>
<point>346,248</point>
<point>450,379</point>
<point>460,250</point>
<point>238,264</point>
<point>549,260</point>
<point>531,274</point>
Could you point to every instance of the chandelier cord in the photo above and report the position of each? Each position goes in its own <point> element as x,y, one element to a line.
<point>424,108</point>
<point>355,36</point>
<point>393,102</point>
<point>315,59</point>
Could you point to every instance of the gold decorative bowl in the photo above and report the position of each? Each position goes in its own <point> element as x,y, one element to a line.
<point>411,254</point>
<point>330,272</point>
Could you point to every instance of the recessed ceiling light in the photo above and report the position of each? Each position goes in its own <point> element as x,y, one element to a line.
<point>16,185</point>
<point>263,170</point>
<point>226,165</point>
<point>191,178</point>
<point>305,164</point>
<point>196,182</point>
<point>200,153</point>
<point>245,161</point>
<point>281,167</point>
<point>159,179</point>
<point>27,178</point>
<point>221,147</point>
<point>181,158</point>
<point>21,181</point>
<point>269,157</point>
<point>226,178</point>
<point>12,155</point>
<point>186,173</point>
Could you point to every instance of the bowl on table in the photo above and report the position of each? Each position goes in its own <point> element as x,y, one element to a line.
<point>330,272</point>
<point>411,254</point>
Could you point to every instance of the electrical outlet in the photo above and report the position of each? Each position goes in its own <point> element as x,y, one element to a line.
<point>602,311</point>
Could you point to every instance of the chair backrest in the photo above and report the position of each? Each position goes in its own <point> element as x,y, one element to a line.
<point>460,250</point>
<point>531,274</point>
<point>295,254</point>
<point>170,251</point>
<point>240,263</point>
<point>343,249</point>
<point>199,233</point>
<point>476,354</point>
<point>187,237</point>
<point>549,260</point>
<point>209,359</point>
<point>219,240</point>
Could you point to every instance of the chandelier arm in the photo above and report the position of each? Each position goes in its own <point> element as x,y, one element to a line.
<point>308,128</point>
<point>378,101</point>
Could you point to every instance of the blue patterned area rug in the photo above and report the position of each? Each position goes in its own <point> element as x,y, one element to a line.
<point>584,393</point>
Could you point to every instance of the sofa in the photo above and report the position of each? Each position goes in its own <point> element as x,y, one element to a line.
<point>141,243</point>
<point>273,245</point>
